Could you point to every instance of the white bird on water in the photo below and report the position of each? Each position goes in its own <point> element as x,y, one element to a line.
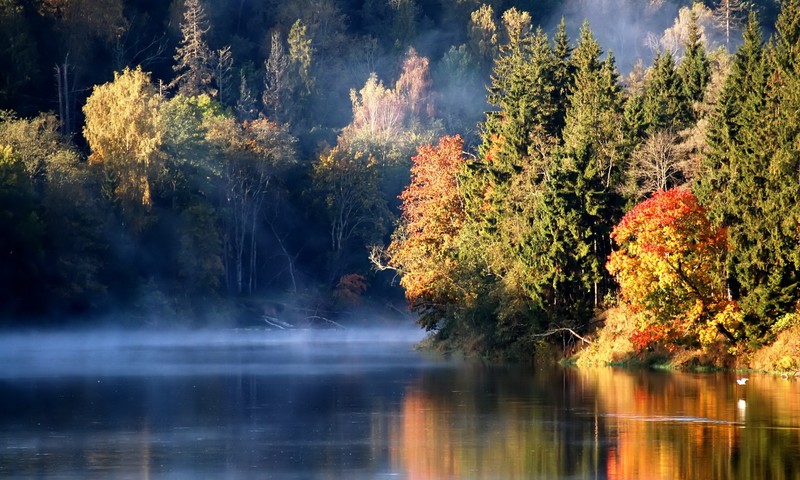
<point>742,381</point>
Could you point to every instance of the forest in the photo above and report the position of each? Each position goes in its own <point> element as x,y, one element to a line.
<point>528,175</point>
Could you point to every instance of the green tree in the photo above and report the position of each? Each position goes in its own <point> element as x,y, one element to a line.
<point>557,224</point>
<point>782,128</point>
<point>70,212</point>
<point>21,255</point>
<point>752,156</point>
<point>76,224</point>
<point>349,182</point>
<point>192,186</point>
<point>664,104</point>
<point>592,157</point>
<point>694,69</point>
<point>503,192</point>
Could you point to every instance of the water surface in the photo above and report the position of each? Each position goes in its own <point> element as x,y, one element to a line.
<point>364,405</point>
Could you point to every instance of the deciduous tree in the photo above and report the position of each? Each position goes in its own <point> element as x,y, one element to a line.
<point>124,134</point>
<point>251,154</point>
<point>671,266</point>
<point>349,183</point>
<point>424,246</point>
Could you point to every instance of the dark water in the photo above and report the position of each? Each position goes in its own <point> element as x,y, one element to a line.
<point>364,405</point>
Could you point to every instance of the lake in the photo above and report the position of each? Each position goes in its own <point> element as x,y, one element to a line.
<point>362,404</point>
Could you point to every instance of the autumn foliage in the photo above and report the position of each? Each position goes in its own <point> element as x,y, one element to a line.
<point>432,215</point>
<point>670,267</point>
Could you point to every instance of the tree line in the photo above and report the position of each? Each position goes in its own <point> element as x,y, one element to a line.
<point>672,195</point>
<point>217,152</point>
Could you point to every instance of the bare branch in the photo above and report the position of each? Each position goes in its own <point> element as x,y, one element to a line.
<point>563,329</point>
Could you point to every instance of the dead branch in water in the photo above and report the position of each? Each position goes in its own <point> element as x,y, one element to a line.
<point>563,329</point>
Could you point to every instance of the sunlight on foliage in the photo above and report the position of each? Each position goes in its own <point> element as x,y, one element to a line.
<point>670,267</point>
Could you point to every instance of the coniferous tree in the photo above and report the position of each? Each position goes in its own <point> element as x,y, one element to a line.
<point>782,128</point>
<point>277,82</point>
<point>193,58</point>
<point>694,69</point>
<point>587,179</point>
<point>563,72</point>
<point>665,105</point>
<point>246,105</point>
<point>751,170</point>
<point>501,186</point>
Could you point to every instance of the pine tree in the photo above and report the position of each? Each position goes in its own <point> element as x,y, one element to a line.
<point>665,104</point>
<point>193,58</point>
<point>694,69</point>
<point>589,173</point>
<point>277,79</point>
<point>751,172</point>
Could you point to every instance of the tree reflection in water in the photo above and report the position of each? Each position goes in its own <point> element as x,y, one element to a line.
<point>604,423</point>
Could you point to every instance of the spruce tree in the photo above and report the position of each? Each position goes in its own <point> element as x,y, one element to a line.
<point>193,58</point>
<point>782,142</point>
<point>589,173</point>
<point>665,105</point>
<point>750,182</point>
<point>694,69</point>
<point>563,72</point>
<point>501,185</point>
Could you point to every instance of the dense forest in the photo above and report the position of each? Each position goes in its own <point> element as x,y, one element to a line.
<point>526,170</point>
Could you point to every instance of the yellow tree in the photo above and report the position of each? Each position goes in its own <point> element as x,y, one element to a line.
<point>671,268</point>
<point>122,128</point>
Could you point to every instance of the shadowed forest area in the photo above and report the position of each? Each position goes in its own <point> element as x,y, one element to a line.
<point>527,172</point>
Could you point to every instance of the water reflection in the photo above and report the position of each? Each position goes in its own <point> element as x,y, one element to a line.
<point>598,424</point>
<point>365,406</point>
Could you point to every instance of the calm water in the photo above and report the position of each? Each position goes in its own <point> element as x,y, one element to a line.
<point>364,405</point>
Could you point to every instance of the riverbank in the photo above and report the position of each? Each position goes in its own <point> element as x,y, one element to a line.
<point>611,346</point>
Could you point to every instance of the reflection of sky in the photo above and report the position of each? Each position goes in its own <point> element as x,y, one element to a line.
<point>302,352</point>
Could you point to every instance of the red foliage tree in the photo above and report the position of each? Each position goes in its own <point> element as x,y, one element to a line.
<point>670,267</point>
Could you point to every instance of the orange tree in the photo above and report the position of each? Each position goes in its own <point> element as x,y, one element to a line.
<point>423,246</point>
<point>670,266</point>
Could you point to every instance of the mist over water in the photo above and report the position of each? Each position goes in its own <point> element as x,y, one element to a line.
<point>363,404</point>
<point>203,352</point>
